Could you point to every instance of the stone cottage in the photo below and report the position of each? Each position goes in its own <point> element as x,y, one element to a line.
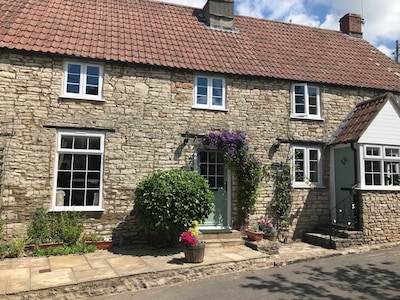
<point>96,95</point>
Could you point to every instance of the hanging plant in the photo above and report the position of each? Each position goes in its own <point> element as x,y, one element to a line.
<point>247,168</point>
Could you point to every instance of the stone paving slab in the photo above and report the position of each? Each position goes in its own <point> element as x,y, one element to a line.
<point>104,272</point>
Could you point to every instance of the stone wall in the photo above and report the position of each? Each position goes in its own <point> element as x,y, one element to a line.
<point>380,213</point>
<point>148,110</point>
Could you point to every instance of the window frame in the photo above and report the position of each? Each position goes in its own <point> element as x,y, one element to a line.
<point>306,114</point>
<point>60,150</point>
<point>210,88</point>
<point>383,160</point>
<point>306,182</point>
<point>82,82</point>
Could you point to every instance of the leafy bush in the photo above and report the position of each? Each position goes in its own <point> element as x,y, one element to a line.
<point>47,227</point>
<point>171,200</point>
<point>64,250</point>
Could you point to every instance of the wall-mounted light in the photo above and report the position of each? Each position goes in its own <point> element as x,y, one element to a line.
<point>186,140</point>
<point>277,143</point>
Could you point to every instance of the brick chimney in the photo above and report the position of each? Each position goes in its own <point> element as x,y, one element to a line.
<point>351,24</point>
<point>219,14</point>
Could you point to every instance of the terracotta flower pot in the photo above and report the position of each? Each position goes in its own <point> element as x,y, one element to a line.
<point>100,245</point>
<point>255,235</point>
<point>194,254</point>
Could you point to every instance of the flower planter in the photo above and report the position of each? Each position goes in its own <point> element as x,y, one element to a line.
<point>255,235</point>
<point>45,245</point>
<point>270,237</point>
<point>194,254</point>
<point>100,245</point>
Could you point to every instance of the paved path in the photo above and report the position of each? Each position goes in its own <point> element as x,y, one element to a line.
<point>104,272</point>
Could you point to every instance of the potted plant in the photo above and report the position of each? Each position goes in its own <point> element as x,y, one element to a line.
<point>269,230</point>
<point>254,233</point>
<point>101,243</point>
<point>193,247</point>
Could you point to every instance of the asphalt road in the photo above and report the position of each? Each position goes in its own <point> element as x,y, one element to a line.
<point>371,275</point>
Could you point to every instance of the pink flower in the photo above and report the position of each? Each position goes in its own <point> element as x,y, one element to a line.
<point>187,239</point>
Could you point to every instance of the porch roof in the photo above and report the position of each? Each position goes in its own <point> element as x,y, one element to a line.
<point>355,124</point>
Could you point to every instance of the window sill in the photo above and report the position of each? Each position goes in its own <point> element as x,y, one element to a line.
<point>76,208</point>
<point>209,108</point>
<point>298,118</point>
<point>379,188</point>
<point>72,98</point>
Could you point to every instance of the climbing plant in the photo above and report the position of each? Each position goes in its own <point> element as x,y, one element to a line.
<point>282,200</point>
<point>247,168</point>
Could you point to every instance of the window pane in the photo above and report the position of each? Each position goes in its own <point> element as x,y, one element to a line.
<point>392,152</point>
<point>78,198</point>
<point>201,99</point>
<point>76,69</point>
<point>373,151</point>
<point>93,180</point>
<point>212,182</point>
<point>220,157</point>
<point>73,88</point>
<point>73,78</point>
<point>211,170</point>
<point>64,161</point>
<point>80,142</point>
<point>217,84</point>
<point>64,180</point>
<point>79,179</point>
<point>202,81</point>
<point>217,101</point>
<point>220,182</point>
<point>312,92</point>
<point>94,71</point>
<point>94,162</point>
<point>299,104</point>
<point>80,162</point>
<point>299,89</point>
<point>299,165</point>
<point>92,198</point>
<point>92,90</point>
<point>66,142</point>
<point>94,143</point>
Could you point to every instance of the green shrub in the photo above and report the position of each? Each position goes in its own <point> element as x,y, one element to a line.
<point>70,227</point>
<point>171,200</point>
<point>47,227</point>
<point>78,248</point>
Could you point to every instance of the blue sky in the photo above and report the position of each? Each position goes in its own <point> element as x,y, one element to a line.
<point>382,17</point>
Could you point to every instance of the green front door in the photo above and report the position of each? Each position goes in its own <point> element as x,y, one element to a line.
<point>212,166</point>
<point>344,180</point>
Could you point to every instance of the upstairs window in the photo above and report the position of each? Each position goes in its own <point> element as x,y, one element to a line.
<point>305,101</point>
<point>83,81</point>
<point>381,166</point>
<point>209,92</point>
<point>79,170</point>
<point>307,169</point>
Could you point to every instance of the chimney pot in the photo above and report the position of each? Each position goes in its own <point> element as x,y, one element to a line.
<point>351,24</point>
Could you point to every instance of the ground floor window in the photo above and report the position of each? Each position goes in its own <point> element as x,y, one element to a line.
<point>306,166</point>
<point>79,170</point>
<point>381,165</point>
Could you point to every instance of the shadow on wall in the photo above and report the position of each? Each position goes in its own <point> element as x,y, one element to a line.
<point>309,210</point>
